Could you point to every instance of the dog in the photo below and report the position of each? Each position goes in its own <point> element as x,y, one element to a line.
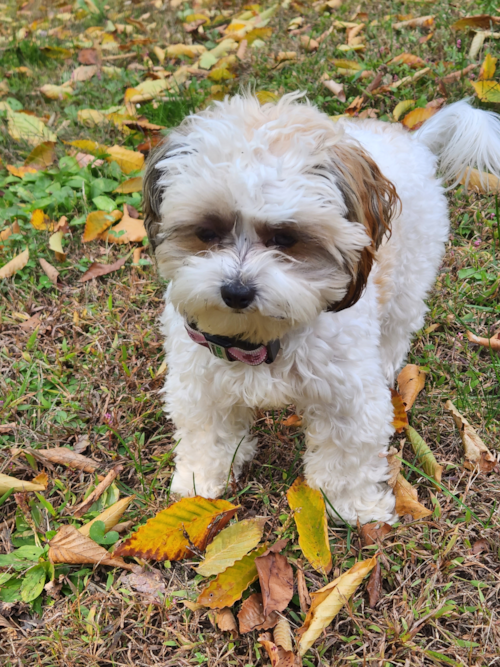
<point>299,252</point>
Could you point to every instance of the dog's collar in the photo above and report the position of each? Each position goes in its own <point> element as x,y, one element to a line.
<point>234,349</point>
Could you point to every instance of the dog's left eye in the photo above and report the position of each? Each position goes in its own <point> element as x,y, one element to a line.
<point>206,235</point>
<point>282,240</point>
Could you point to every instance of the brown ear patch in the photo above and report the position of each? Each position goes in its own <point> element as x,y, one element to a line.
<point>372,200</point>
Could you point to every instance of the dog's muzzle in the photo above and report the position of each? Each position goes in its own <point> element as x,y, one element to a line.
<point>234,349</point>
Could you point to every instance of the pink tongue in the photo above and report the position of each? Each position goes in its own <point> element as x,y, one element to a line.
<point>254,357</point>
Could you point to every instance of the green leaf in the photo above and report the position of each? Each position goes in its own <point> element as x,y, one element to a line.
<point>310,517</point>
<point>104,203</point>
<point>11,590</point>
<point>231,545</point>
<point>424,455</point>
<point>98,534</point>
<point>29,553</point>
<point>48,506</point>
<point>33,583</point>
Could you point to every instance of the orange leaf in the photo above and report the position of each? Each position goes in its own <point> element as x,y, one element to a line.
<point>407,500</point>
<point>16,264</point>
<point>400,416</point>
<point>20,171</point>
<point>70,546</point>
<point>167,535</point>
<point>417,117</point>
<point>292,420</point>
<point>133,230</point>
<point>5,233</point>
<point>408,59</point>
<point>97,222</point>
<point>41,221</point>
<point>493,342</point>
<point>411,381</point>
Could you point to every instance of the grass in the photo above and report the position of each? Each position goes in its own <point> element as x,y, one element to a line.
<point>91,365</point>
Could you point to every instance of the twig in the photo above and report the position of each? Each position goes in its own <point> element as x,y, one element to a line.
<point>98,491</point>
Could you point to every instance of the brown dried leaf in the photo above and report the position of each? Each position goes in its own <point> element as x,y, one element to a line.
<point>16,264</point>
<point>7,428</point>
<point>226,621</point>
<point>83,73</point>
<point>459,74</point>
<point>276,579</point>
<point>373,533</point>
<point>50,271</point>
<point>84,507</point>
<point>292,420</point>
<point>42,156</point>
<point>415,62</point>
<point>89,57</point>
<point>420,22</point>
<point>96,269</point>
<point>70,547</point>
<point>394,462</point>
<point>304,597</point>
<point>407,500</point>
<point>411,381</point>
<point>110,516</point>
<point>479,546</point>
<point>483,21</point>
<point>278,656</point>
<point>252,617</point>
<point>283,635</point>
<point>374,586</point>
<point>400,417</point>
<point>53,589</point>
<point>493,342</point>
<point>475,451</point>
<point>150,583</point>
<point>308,43</point>
<point>336,88</point>
<point>66,457</point>
<point>5,233</point>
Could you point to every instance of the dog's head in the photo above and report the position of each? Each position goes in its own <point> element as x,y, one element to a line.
<point>263,216</point>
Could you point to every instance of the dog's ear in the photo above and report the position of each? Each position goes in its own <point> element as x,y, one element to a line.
<point>371,200</point>
<point>152,193</point>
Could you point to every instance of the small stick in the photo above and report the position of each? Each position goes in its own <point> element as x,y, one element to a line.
<point>98,491</point>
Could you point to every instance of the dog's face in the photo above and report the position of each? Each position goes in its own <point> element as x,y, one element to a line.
<point>263,216</point>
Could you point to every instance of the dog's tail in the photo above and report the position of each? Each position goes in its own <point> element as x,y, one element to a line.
<point>463,138</point>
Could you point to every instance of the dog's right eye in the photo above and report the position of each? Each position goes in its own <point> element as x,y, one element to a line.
<point>207,235</point>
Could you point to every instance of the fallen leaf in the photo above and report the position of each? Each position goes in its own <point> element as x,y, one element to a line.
<point>374,533</point>
<point>19,485</point>
<point>231,545</point>
<point>110,517</point>
<point>127,160</point>
<point>279,656</point>
<point>304,597</point>
<point>7,428</point>
<point>458,74</point>
<point>424,455</point>
<point>89,146</point>
<point>276,580</point>
<point>53,92</point>
<point>411,381</point>
<point>420,22</point>
<point>168,535</point>
<point>252,617</point>
<point>407,500</point>
<point>84,507</point>
<point>402,107</point>
<point>374,586</point>
<point>5,233</point>
<point>70,547</point>
<point>488,68</point>
<point>66,457</point>
<point>282,634</point>
<point>96,269</point>
<point>408,59</point>
<point>147,90</point>
<point>336,88</point>
<point>487,91</point>
<point>309,514</point>
<point>20,171</point>
<point>355,105</point>
<point>150,583</point>
<point>308,43</point>
<point>81,444</point>
<point>400,420</point>
<point>189,50</point>
<point>483,21</point>
<point>53,589</point>
<point>25,127</point>
<point>229,586</point>
<point>123,526</point>
<point>475,451</point>
<point>482,182</point>
<point>327,602</point>
<point>55,244</point>
<point>16,264</point>
<point>493,342</point>
<point>225,621</point>
<point>394,463</point>
<point>133,230</point>
<point>417,117</point>
<point>50,271</point>
<point>41,221</point>
<point>88,57</point>
<point>42,156</point>
<point>479,546</point>
<point>97,222</point>
<point>292,420</point>
<point>476,44</point>
<point>342,63</point>
<point>83,73</point>
<point>129,186</point>
<point>266,97</point>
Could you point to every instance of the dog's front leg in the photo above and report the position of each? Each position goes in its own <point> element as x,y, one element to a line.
<point>213,445</point>
<point>345,456</point>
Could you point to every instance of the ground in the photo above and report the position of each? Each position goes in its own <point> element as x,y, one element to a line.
<point>85,358</point>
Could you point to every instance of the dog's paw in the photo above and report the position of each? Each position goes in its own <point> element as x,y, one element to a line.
<point>187,484</point>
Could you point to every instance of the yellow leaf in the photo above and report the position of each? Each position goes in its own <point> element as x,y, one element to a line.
<point>480,181</point>
<point>167,535</point>
<point>488,67</point>
<point>69,546</point>
<point>408,59</point>
<point>424,455</point>
<point>230,585</point>
<point>483,21</point>
<point>402,107</point>
<point>342,63</point>
<point>42,156</point>
<point>110,517</point>
<point>266,96</point>
<point>231,545</point>
<point>400,420</point>
<point>88,146</point>
<point>417,117</point>
<point>20,486</point>
<point>127,160</point>
<point>20,171</point>
<point>55,244</point>
<point>25,127</point>
<point>329,600</point>
<point>160,54</point>
<point>133,230</point>
<point>56,92</point>
<point>220,74</point>
<point>407,500</point>
<point>5,233</point>
<point>309,513</point>
<point>147,90</point>
<point>41,221</point>
<point>420,22</point>
<point>191,50</point>
<point>83,73</point>
<point>97,222</point>
<point>411,381</point>
<point>15,264</point>
<point>129,186</point>
<point>487,91</point>
<point>475,451</point>
<point>91,117</point>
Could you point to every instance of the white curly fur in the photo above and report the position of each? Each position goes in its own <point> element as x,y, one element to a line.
<point>256,163</point>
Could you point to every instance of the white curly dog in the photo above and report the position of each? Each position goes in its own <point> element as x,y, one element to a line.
<point>299,253</point>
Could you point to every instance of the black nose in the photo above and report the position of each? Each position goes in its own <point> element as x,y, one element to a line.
<point>237,295</point>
